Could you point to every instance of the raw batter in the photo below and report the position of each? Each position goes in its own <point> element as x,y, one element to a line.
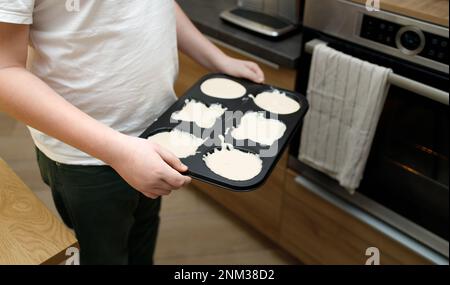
<point>180,143</point>
<point>254,126</point>
<point>205,117</point>
<point>233,164</point>
<point>223,88</point>
<point>276,102</point>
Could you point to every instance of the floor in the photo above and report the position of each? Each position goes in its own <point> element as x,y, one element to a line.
<point>194,229</point>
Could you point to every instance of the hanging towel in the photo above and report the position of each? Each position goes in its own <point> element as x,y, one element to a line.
<point>346,98</point>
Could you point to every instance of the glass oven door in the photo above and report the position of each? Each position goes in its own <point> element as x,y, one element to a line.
<point>408,168</point>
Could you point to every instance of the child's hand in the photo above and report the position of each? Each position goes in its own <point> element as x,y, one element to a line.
<point>240,68</point>
<point>149,168</point>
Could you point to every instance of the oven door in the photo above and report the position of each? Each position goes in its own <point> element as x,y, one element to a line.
<point>406,181</point>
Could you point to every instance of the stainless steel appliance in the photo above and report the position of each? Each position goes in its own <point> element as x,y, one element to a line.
<point>273,18</point>
<point>405,189</point>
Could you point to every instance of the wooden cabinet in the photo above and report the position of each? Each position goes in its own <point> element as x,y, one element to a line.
<point>262,208</point>
<point>318,232</point>
<point>190,72</point>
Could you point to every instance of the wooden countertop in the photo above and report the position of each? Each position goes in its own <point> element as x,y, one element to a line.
<point>29,232</point>
<point>433,11</point>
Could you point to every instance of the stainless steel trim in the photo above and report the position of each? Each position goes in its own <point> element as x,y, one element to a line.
<point>419,88</point>
<point>348,28</point>
<point>244,53</point>
<point>398,40</point>
<point>375,223</point>
<point>400,81</point>
<point>254,26</point>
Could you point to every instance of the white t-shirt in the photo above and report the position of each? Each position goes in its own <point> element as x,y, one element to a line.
<point>116,60</point>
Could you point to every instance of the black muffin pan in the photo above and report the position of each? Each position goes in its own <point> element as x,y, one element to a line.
<point>269,154</point>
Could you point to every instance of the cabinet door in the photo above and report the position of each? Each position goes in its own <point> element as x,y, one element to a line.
<point>262,208</point>
<point>191,72</point>
<point>318,232</point>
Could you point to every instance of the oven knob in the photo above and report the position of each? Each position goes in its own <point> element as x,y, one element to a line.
<point>410,40</point>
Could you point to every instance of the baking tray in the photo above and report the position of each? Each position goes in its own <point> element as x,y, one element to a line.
<point>271,154</point>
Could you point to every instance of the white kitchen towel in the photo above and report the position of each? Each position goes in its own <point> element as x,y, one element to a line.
<point>346,97</point>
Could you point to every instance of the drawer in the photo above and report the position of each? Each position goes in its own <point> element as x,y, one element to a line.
<point>261,208</point>
<point>319,232</point>
<point>191,72</point>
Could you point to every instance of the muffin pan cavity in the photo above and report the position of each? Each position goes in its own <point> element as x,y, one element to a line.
<point>180,143</point>
<point>276,102</point>
<point>200,114</point>
<point>223,88</point>
<point>256,127</point>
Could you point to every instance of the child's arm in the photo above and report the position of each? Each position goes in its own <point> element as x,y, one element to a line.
<point>145,166</point>
<point>194,44</point>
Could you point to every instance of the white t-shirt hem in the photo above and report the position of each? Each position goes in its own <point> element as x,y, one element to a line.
<point>15,18</point>
<point>90,161</point>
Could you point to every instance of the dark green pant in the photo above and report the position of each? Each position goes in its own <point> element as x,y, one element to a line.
<point>114,223</point>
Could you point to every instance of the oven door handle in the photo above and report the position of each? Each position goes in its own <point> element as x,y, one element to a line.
<point>400,81</point>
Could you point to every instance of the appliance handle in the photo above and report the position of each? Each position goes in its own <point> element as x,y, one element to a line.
<point>400,81</point>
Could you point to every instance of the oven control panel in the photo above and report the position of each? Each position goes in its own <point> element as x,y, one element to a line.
<point>408,39</point>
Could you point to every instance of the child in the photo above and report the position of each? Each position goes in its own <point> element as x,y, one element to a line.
<point>102,72</point>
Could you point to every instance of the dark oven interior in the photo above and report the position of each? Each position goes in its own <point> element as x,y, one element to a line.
<point>408,169</point>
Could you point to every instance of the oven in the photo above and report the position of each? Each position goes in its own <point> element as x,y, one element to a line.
<point>406,180</point>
